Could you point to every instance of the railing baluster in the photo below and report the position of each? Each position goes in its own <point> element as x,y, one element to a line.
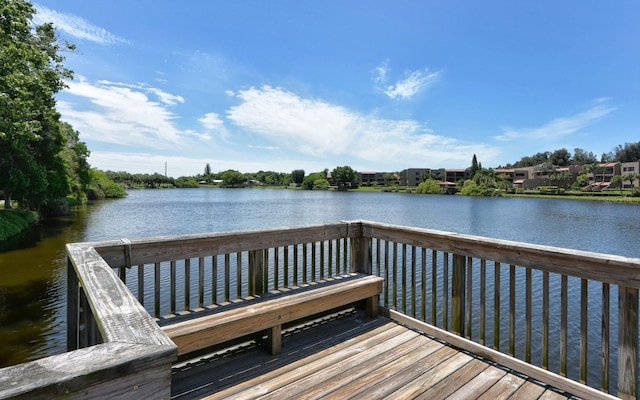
<point>285,256</point>
<point>201,282</point>
<point>214,280</point>
<point>469,298</point>
<point>483,299</point>
<point>445,292</point>
<point>314,264</point>
<point>187,284</point>
<point>545,320</point>
<point>295,265</point>
<point>386,273</point>
<point>413,281</point>
<point>512,310</point>
<point>276,268</point>
<point>394,288</point>
<point>564,294</point>
<point>305,263</point>
<point>322,265</point>
<point>403,255</point>
<point>434,287</point>
<point>423,289</point>
<point>172,299</point>
<point>227,277</point>
<point>345,262</point>
<point>528,315</point>
<point>584,291</point>
<point>238,275</point>
<point>156,290</point>
<point>141,284</point>
<point>604,375</point>
<point>496,306</point>
<point>330,260</point>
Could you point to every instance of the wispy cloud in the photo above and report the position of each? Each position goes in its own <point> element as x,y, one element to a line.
<point>76,26</point>
<point>124,114</point>
<point>560,127</point>
<point>412,83</point>
<point>319,129</point>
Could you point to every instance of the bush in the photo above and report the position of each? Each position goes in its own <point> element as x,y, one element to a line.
<point>429,186</point>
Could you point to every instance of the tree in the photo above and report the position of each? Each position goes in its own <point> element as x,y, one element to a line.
<point>628,153</point>
<point>616,180</point>
<point>74,155</point>
<point>430,186</point>
<point>309,182</point>
<point>297,176</point>
<point>581,157</point>
<point>344,177</point>
<point>231,178</point>
<point>631,177</point>
<point>560,157</point>
<point>31,73</point>
<point>207,171</point>
<point>474,166</point>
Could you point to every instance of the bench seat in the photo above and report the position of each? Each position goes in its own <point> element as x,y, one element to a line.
<point>202,332</point>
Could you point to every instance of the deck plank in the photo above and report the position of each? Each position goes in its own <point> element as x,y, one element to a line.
<point>372,374</point>
<point>352,356</point>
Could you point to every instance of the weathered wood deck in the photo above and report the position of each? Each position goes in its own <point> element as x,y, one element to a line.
<point>350,355</point>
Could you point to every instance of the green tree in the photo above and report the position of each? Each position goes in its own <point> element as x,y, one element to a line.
<point>297,176</point>
<point>628,153</point>
<point>616,180</point>
<point>430,186</point>
<point>309,181</point>
<point>344,177</point>
<point>74,155</point>
<point>474,167</point>
<point>560,157</point>
<point>102,186</point>
<point>631,177</point>
<point>231,178</point>
<point>582,157</point>
<point>31,73</point>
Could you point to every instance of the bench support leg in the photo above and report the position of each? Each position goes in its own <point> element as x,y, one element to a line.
<point>372,306</point>
<point>274,339</point>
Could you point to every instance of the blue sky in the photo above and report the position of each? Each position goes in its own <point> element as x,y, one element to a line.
<point>376,85</point>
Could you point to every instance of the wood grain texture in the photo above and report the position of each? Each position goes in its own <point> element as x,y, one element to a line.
<point>202,332</point>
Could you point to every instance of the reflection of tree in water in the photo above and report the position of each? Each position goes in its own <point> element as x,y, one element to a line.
<point>25,319</point>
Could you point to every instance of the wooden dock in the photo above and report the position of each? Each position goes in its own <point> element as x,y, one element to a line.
<point>460,316</point>
<point>349,355</point>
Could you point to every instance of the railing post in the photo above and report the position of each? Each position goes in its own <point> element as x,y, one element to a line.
<point>627,342</point>
<point>360,250</point>
<point>256,272</point>
<point>72,307</point>
<point>458,294</point>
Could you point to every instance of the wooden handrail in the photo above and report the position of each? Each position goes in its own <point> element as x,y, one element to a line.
<point>440,279</point>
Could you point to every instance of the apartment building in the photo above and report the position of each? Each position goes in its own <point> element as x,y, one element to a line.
<point>630,168</point>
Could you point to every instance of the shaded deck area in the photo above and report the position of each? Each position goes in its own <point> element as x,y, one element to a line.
<point>349,355</point>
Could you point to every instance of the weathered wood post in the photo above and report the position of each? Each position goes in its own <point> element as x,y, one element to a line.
<point>257,272</point>
<point>458,294</point>
<point>72,307</point>
<point>360,249</point>
<point>627,342</point>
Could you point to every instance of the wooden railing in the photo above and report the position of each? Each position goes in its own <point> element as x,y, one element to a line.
<point>564,317</point>
<point>528,307</point>
<point>115,349</point>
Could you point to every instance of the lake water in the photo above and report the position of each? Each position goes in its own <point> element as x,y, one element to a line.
<point>33,277</point>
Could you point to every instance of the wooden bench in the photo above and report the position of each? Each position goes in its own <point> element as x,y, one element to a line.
<point>205,331</point>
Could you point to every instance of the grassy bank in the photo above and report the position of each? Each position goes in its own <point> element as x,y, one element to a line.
<point>12,222</point>
<point>606,199</point>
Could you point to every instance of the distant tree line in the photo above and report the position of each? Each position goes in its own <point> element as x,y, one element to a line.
<point>628,152</point>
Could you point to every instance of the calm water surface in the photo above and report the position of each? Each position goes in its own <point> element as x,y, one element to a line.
<point>33,279</point>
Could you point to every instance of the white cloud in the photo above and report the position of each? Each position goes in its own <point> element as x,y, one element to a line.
<point>123,114</point>
<point>413,83</point>
<point>320,129</point>
<point>560,127</point>
<point>76,26</point>
<point>211,121</point>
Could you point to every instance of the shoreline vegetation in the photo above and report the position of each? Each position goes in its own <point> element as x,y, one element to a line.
<point>15,221</point>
